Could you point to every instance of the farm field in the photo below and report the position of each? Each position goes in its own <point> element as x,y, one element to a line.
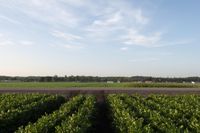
<point>61,85</point>
<point>103,91</point>
<point>115,113</point>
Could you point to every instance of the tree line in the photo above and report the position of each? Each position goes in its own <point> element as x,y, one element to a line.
<point>95,79</point>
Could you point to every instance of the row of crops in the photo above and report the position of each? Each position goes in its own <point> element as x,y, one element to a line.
<point>42,113</point>
<point>155,113</point>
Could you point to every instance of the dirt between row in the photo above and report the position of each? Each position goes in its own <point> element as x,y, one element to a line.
<point>75,91</point>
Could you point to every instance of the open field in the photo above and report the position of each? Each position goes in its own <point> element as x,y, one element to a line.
<point>102,91</point>
<point>58,85</point>
<point>74,88</point>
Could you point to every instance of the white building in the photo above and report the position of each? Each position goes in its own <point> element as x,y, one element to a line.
<point>110,82</point>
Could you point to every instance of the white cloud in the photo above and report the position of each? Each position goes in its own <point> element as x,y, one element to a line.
<point>111,20</point>
<point>51,12</point>
<point>2,17</point>
<point>69,41</point>
<point>26,43</point>
<point>8,41</point>
<point>117,18</point>
<point>66,36</point>
<point>75,2</point>
<point>151,59</point>
<point>134,38</point>
<point>4,41</point>
<point>139,17</point>
<point>69,46</point>
<point>124,48</point>
<point>180,42</point>
<point>156,39</point>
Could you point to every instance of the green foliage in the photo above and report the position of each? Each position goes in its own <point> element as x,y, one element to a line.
<point>12,116</point>
<point>56,85</point>
<point>48,123</point>
<point>81,121</point>
<point>73,116</point>
<point>156,113</point>
<point>128,113</point>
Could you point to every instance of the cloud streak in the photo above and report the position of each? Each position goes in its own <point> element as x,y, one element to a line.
<point>72,47</point>
<point>66,36</point>
<point>8,41</point>
<point>124,48</point>
<point>5,41</point>
<point>69,41</point>
<point>50,12</point>
<point>109,20</point>
<point>4,18</point>
<point>151,59</point>
<point>26,43</point>
<point>134,38</point>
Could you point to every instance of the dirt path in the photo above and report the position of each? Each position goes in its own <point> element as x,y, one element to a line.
<point>72,91</point>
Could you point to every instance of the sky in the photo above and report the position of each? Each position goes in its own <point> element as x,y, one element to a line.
<point>100,37</point>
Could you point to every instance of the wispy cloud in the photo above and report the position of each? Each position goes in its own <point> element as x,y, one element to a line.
<point>151,59</point>
<point>4,41</point>
<point>72,47</point>
<point>68,40</point>
<point>26,43</point>
<point>134,38</point>
<point>139,17</point>
<point>179,42</point>
<point>50,12</point>
<point>124,48</point>
<point>109,20</point>
<point>113,21</point>
<point>5,18</point>
<point>116,18</point>
<point>155,39</point>
<point>8,41</point>
<point>66,36</point>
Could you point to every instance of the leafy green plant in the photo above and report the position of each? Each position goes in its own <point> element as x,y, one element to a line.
<point>14,117</point>
<point>47,123</point>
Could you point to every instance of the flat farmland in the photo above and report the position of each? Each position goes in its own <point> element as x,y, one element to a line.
<point>74,88</point>
<point>102,91</point>
<point>56,85</point>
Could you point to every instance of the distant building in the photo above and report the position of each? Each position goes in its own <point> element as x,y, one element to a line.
<point>110,82</point>
<point>118,81</point>
<point>5,81</point>
<point>148,81</point>
<point>193,82</point>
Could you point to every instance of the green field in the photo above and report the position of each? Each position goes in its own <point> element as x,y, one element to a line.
<point>49,85</point>
<point>116,113</point>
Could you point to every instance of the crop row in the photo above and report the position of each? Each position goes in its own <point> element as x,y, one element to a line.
<point>155,113</point>
<point>35,105</point>
<point>72,116</point>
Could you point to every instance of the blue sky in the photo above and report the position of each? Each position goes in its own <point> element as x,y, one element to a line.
<point>100,37</point>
